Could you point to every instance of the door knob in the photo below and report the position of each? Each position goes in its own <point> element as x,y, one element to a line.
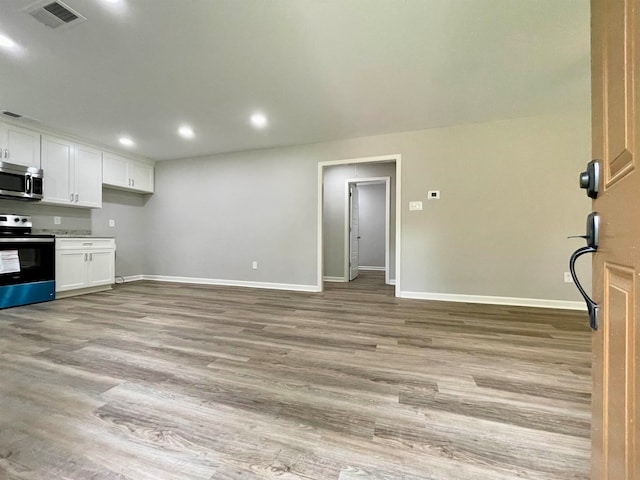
<point>592,237</point>
<point>590,179</point>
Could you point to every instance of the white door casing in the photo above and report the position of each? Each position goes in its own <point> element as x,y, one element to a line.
<point>354,231</point>
<point>397,159</point>
<point>387,230</point>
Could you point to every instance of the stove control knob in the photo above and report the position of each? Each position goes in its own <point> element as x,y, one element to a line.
<point>16,219</point>
<point>24,220</point>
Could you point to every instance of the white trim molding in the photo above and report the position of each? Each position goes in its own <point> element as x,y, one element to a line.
<point>386,181</point>
<point>515,301</point>
<point>372,269</point>
<point>232,283</point>
<point>131,278</point>
<point>397,158</point>
<point>334,279</point>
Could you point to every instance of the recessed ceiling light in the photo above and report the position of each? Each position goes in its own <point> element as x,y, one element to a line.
<point>6,42</point>
<point>258,120</point>
<point>126,141</point>
<point>185,131</point>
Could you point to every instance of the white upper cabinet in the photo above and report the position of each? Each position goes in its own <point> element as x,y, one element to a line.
<point>141,176</point>
<point>88,176</point>
<point>72,173</point>
<point>57,159</point>
<point>127,173</point>
<point>114,170</point>
<point>19,145</point>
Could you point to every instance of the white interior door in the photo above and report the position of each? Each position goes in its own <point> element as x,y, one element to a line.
<point>354,231</point>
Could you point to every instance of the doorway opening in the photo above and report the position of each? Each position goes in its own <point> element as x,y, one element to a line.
<point>336,179</point>
<point>366,228</point>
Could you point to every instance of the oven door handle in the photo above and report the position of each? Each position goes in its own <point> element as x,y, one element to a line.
<point>26,240</point>
<point>28,184</point>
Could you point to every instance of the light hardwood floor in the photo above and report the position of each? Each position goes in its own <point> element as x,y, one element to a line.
<point>166,381</point>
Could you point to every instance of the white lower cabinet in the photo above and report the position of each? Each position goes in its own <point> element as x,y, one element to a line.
<point>84,265</point>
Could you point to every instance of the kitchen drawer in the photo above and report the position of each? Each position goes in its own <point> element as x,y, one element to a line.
<point>85,243</point>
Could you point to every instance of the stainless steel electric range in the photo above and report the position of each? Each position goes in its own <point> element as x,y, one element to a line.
<point>27,263</point>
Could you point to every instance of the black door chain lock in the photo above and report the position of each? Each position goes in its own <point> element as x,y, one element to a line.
<point>592,238</point>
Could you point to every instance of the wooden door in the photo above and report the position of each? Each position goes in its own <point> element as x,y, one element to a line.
<point>354,231</point>
<point>616,265</point>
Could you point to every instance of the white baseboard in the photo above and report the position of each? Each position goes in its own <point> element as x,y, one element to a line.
<point>334,279</point>
<point>372,269</point>
<point>131,278</point>
<point>392,281</point>
<point>444,297</point>
<point>520,302</point>
<point>233,283</point>
<point>82,291</point>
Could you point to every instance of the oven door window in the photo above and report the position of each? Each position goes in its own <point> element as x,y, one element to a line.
<point>26,262</point>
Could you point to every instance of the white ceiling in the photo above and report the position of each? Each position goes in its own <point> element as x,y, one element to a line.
<point>319,69</point>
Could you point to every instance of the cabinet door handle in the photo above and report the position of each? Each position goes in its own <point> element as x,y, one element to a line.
<point>76,198</point>
<point>85,257</point>
<point>6,153</point>
<point>71,198</point>
<point>91,257</point>
<point>133,182</point>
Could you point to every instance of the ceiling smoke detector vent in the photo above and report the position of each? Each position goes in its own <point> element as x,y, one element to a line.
<point>54,14</point>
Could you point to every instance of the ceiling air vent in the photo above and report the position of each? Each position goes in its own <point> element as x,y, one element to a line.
<point>11,114</point>
<point>54,14</point>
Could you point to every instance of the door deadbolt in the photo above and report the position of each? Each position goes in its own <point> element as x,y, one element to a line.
<point>590,179</point>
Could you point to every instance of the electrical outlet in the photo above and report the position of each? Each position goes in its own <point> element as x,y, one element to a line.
<point>254,264</point>
<point>57,220</point>
<point>415,205</point>
<point>567,277</point>
<point>433,194</point>
<point>112,223</point>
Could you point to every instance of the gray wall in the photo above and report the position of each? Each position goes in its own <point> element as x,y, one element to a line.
<point>211,217</point>
<point>333,220</point>
<point>127,209</point>
<point>72,219</point>
<point>509,200</point>
<point>372,224</point>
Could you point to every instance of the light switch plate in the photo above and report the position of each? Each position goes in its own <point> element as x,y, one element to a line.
<point>112,223</point>
<point>57,220</point>
<point>415,205</point>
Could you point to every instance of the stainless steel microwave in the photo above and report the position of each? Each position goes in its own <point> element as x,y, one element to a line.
<point>18,182</point>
